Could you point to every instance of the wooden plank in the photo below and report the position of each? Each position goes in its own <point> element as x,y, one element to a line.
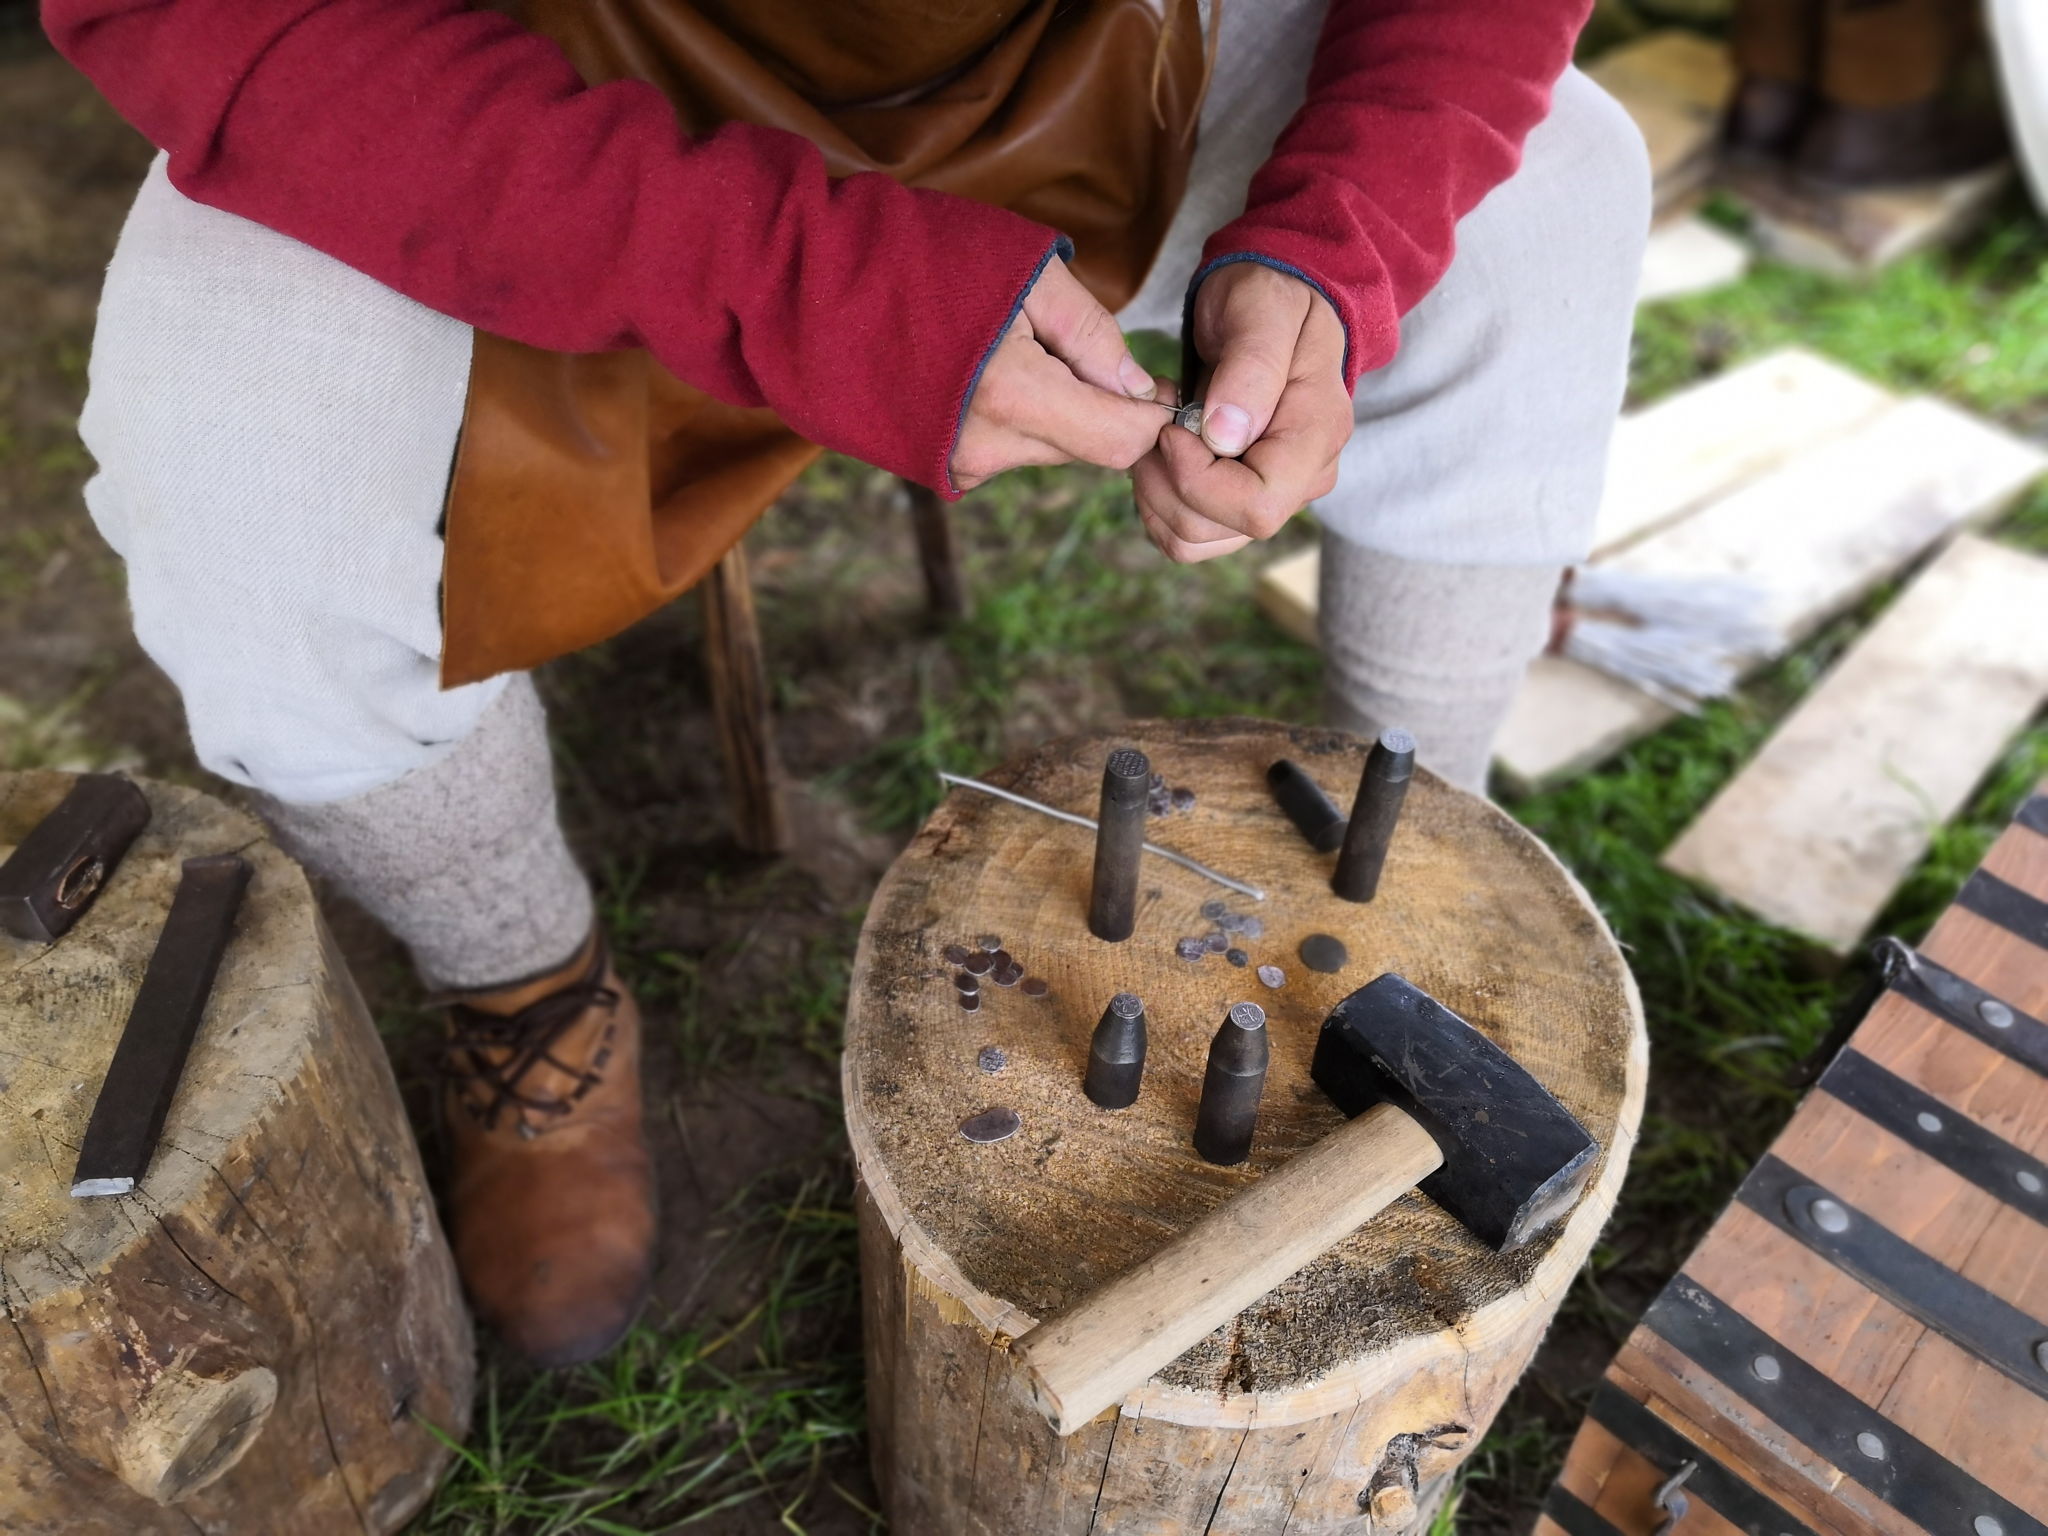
<point>1817,534</point>
<point>1706,440</point>
<point>1675,84</point>
<point>1287,592</point>
<point>1689,256</point>
<point>1821,827</point>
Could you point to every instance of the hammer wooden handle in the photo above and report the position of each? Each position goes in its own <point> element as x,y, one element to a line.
<point>1097,1352</point>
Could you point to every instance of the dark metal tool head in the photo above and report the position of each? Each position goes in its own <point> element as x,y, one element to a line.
<point>67,858</point>
<point>1119,845</point>
<point>1313,813</point>
<point>1231,1085</point>
<point>1515,1160</point>
<point>1116,1054</point>
<point>1382,788</point>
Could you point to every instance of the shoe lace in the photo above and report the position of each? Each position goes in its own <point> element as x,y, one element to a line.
<point>500,1051</point>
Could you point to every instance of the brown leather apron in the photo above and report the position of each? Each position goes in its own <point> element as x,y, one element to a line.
<point>591,488</point>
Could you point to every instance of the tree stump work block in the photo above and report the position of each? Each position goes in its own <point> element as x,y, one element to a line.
<point>255,1341</point>
<point>1374,1369</point>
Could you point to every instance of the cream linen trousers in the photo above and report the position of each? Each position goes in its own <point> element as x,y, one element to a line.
<point>274,433</point>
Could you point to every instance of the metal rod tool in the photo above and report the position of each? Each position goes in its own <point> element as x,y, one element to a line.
<point>143,1078</point>
<point>67,858</point>
<point>1116,1055</point>
<point>1313,813</point>
<point>1231,1086</point>
<point>1119,844</point>
<point>1374,815</point>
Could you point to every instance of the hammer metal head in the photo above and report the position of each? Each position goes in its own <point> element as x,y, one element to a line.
<point>1515,1160</point>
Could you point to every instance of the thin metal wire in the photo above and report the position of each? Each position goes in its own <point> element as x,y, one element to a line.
<point>1082,821</point>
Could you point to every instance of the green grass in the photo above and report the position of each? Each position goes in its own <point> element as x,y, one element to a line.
<point>1077,622</point>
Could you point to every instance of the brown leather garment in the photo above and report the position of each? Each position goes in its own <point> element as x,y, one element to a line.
<point>590,489</point>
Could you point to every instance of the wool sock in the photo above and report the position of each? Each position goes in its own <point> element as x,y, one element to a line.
<point>462,860</point>
<point>1437,649</point>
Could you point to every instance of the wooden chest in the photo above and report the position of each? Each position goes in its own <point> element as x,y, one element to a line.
<point>1860,1344</point>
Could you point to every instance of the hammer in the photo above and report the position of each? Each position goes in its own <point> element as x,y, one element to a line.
<point>1434,1105</point>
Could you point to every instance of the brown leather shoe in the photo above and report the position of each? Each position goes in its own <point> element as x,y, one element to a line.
<point>551,1194</point>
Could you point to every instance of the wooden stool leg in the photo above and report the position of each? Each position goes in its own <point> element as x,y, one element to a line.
<point>739,705</point>
<point>945,584</point>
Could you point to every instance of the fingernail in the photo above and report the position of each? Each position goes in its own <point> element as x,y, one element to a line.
<point>1136,380</point>
<point>1228,429</point>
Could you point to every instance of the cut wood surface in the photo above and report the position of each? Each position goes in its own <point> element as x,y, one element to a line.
<point>1910,1363</point>
<point>1817,832</point>
<point>1675,84</point>
<point>1373,1367</point>
<point>258,1339</point>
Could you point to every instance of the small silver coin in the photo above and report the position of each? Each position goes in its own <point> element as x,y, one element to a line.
<point>978,965</point>
<point>1215,911</point>
<point>956,954</point>
<point>1191,949</point>
<point>996,1124</point>
<point>993,1058</point>
<point>989,942</point>
<point>1251,928</point>
<point>1237,957</point>
<point>1183,799</point>
<point>1272,975</point>
<point>966,983</point>
<point>1217,942</point>
<point>1006,978</point>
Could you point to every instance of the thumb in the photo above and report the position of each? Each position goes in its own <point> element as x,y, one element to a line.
<point>1066,320</point>
<point>1253,340</point>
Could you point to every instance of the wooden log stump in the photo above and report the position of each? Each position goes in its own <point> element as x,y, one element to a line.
<point>258,1339</point>
<point>1341,1400</point>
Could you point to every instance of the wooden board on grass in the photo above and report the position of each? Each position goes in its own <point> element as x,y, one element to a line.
<point>1817,832</point>
<point>1871,1366</point>
<point>1818,534</point>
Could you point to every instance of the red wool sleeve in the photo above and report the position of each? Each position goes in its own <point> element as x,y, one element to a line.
<point>1416,109</point>
<point>458,158</point>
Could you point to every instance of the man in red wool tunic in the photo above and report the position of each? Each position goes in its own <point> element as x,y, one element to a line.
<point>444,339</point>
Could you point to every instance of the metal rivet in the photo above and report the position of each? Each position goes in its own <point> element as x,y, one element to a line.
<point>1870,1445</point>
<point>1988,1525</point>
<point>1829,1216</point>
<point>1928,1122</point>
<point>2041,1354</point>
<point>1995,1013</point>
<point>2028,1180</point>
<point>1766,1368</point>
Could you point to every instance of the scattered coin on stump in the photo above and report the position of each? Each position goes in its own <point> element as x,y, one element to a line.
<point>1217,942</point>
<point>992,1058</point>
<point>1322,952</point>
<point>967,983</point>
<point>989,942</point>
<point>978,965</point>
<point>1272,975</point>
<point>1183,799</point>
<point>971,1001</point>
<point>1237,957</point>
<point>956,954</point>
<point>1008,978</point>
<point>1191,949</point>
<point>996,1124</point>
<point>1215,911</point>
<point>1036,986</point>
